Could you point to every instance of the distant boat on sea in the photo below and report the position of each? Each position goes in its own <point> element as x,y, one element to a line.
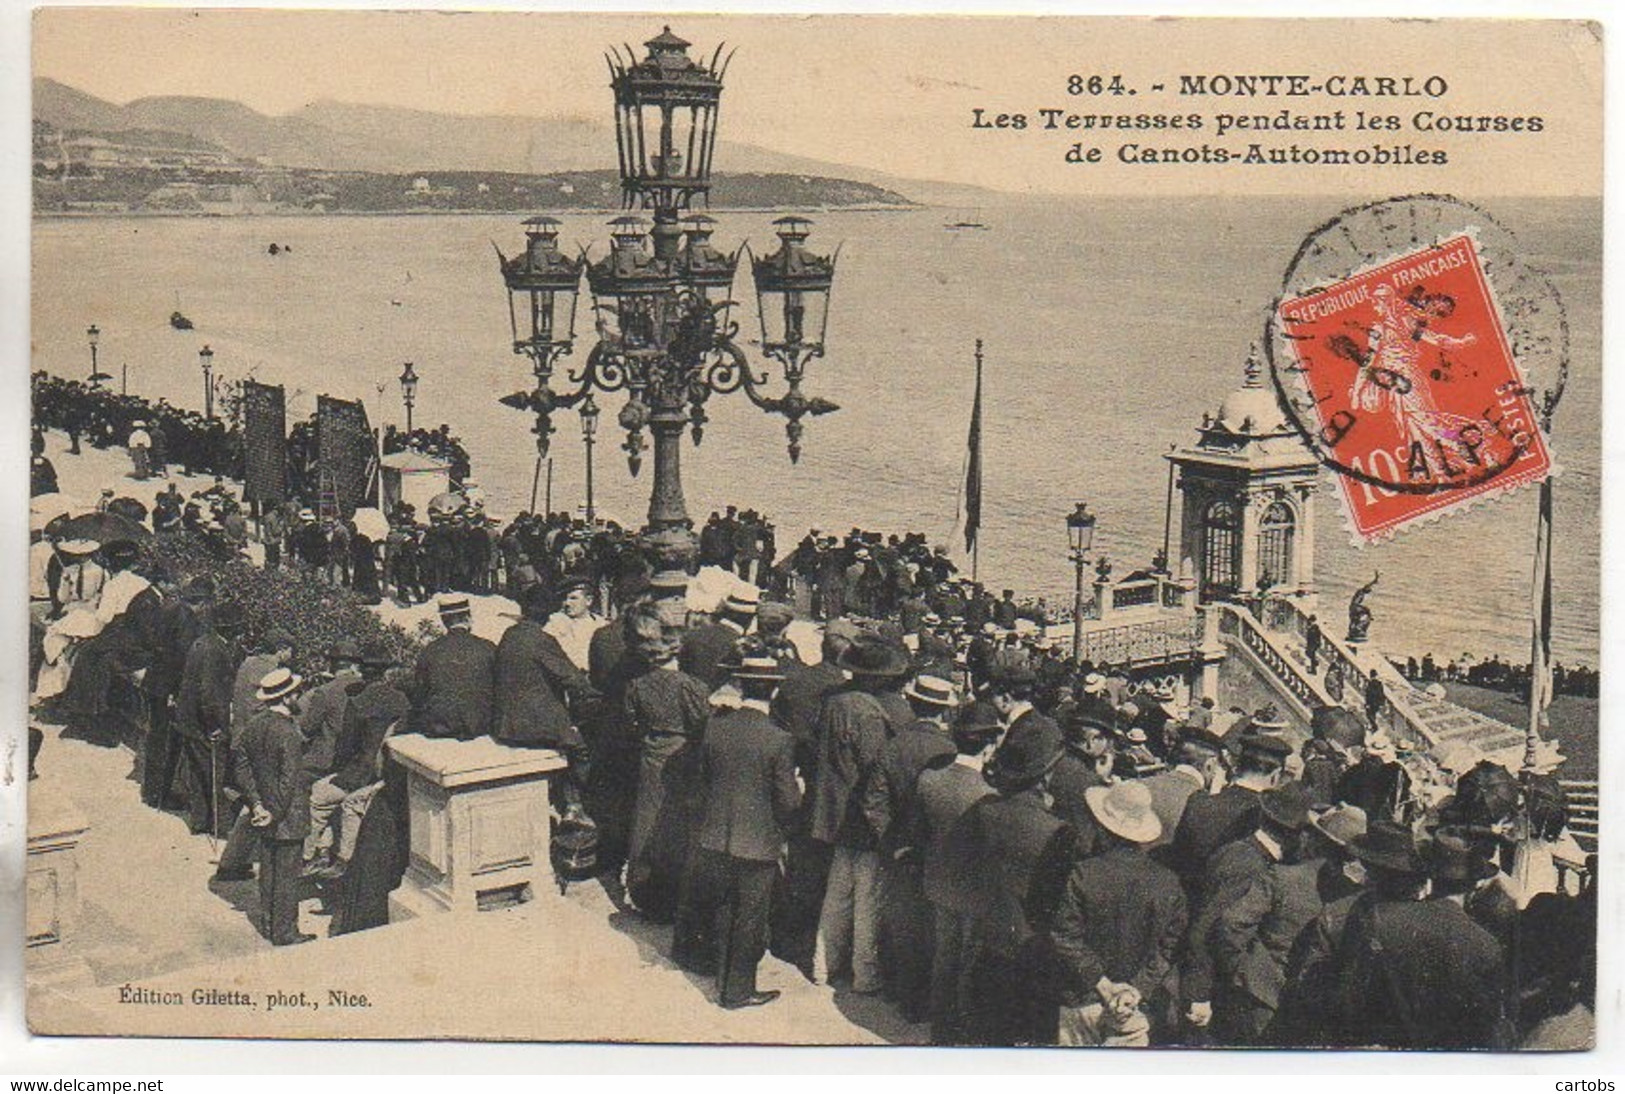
<point>179,321</point>
<point>966,225</point>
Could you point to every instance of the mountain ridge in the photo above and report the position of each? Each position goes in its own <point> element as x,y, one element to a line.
<point>329,134</point>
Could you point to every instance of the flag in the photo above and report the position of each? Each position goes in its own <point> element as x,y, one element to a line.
<point>973,470</point>
<point>1540,661</point>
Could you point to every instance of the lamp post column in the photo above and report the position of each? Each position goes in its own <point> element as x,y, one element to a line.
<point>1077,608</point>
<point>669,526</point>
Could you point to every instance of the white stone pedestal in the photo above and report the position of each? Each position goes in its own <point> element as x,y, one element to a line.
<point>480,825</point>
<point>55,828</point>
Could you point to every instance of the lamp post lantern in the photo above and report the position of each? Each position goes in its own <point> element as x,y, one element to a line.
<point>661,298</point>
<point>1080,533</point>
<point>589,433</point>
<point>409,391</point>
<point>205,358</point>
<point>94,334</point>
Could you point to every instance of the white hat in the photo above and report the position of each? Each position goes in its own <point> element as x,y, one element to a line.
<point>744,600</point>
<point>1094,683</point>
<point>278,684</point>
<point>933,690</point>
<point>1125,809</point>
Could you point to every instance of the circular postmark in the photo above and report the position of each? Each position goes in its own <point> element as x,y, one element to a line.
<point>1416,352</point>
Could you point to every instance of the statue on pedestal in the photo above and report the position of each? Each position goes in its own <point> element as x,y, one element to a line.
<point>1359,614</point>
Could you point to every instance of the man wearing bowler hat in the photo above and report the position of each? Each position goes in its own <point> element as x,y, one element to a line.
<point>373,708</point>
<point>1119,925</point>
<point>279,803</point>
<point>1023,857</point>
<point>1300,1013</point>
<point>203,718</point>
<point>1255,933</point>
<point>1198,769</point>
<point>538,689</point>
<point>747,766</point>
<point>1414,970</point>
<point>1206,987</point>
<point>851,812</point>
<point>1214,819</point>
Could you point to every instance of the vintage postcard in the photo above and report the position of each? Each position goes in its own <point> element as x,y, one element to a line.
<point>815,530</point>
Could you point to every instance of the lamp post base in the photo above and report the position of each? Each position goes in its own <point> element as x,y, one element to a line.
<point>674,547</point>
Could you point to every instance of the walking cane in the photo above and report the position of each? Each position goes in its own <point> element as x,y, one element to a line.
<point>214,800</point>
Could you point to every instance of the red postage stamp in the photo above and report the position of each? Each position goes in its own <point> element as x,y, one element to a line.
<point>1410,390</point>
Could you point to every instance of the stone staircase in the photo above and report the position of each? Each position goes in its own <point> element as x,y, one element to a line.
<point>1449,723</point>
<point>1444,725</point>
<point>1583,812</point>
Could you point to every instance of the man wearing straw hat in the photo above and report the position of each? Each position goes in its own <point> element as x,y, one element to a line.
<point>707,650</point>
<point>452,686</point>
<point>747,769</point>
<point>279,799</point>
<point>905,914</point>
<point>1119,926</point>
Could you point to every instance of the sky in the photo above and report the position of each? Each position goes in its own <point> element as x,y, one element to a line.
<point>892,94</point>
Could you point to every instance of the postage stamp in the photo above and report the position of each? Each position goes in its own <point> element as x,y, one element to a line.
<point>1412,391</point>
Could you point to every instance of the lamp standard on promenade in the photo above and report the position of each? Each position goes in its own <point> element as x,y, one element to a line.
<point>661,298</point>
<point>94,335</point>
<point>205,358</point>
<point>409,391</point>
<point>1080,534</point>
<point>589,436</point>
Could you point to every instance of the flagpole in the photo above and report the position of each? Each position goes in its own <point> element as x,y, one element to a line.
<point>973,476</point>
<point>1540,643</point>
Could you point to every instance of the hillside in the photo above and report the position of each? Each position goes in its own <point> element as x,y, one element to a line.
<point>346,137</point>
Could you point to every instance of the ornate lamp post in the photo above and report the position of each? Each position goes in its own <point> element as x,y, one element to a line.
<point>409,391</point>
<point>205,358</point>
<point>1080,533</point>
<point>661,297</point>
<point>94,335</point>
<point>589,431</point>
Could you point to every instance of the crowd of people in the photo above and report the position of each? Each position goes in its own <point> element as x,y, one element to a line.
<point>1013,855</point>
<point>936,805</point>
<point>439,443</point>
<point>102,418</point>
<point>1500,675</point>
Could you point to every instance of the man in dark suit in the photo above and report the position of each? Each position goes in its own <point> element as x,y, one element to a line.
<point>1023,857</point>
<point>203,718</point>
<point>1416,973</point>
<point>1119,926</point>
<point>905,915</point>
<point>851,810</point>
<point>1010,685</point>
<point>709,649</point>
<point>279,802</point>
<point>537,688</point>
<point>797,706</point>
<point>1075,773</point>
<point>373,706</point>
<point>453,684</point>
<point>950,880</point>
<point>1212,820</point>
<point>1206,980</point>
<point>176,627</point>
<point>747,769</point>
